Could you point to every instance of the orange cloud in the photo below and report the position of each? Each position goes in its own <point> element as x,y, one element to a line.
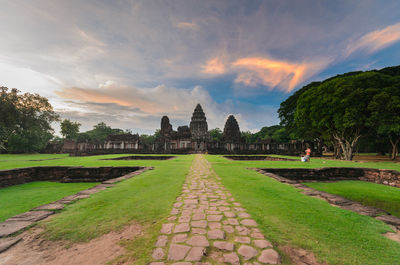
<point>214,66</point>
<point>187,25</point>
<point>375,40</point>
<point>155,101</point>
<point>83,94</point>
<point>274,73</point>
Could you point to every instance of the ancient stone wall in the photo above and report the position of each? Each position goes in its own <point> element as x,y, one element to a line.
<point>61,174</point>
<point>380,176</point>
<point>141,158</point>
<point>263,158</point>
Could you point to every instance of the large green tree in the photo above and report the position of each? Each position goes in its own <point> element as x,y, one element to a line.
<point>25,121</point>
<point>385,114</point>
<point>287,112</point>
<point>216,134</point>
<point>340,107</point>
<point>100,132</point>
<point>70,129</point>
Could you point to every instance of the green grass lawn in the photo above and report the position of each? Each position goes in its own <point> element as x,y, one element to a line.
<point>376,195</point>
<point>288,217</point>
<point>21,198</point>
<point>145,199</point>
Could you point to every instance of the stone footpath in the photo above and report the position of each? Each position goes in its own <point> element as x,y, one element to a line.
<point>207,226</point>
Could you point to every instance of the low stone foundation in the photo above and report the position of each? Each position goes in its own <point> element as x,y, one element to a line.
<point>141,158</point>
<point>62,174</point>
<point>380,176</point>
<point>267,158</point>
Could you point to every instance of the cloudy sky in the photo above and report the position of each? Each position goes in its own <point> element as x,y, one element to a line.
<point>128,63</point>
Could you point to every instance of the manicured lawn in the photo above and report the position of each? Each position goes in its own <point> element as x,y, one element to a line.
<point>288,217</point>
<point>145,199</point>
<point>21,198</point>
<point>371,194</point>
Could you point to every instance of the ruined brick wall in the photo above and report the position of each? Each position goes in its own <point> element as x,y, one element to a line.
<point>62,174</point>
<point>380,176</point>
<point>266,158</point>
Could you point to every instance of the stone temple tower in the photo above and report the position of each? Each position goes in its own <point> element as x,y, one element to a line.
<point>199,129</point>
<point>231,130</point>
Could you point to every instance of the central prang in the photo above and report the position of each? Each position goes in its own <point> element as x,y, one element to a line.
<point>195,138</point>
<point>199,129</point>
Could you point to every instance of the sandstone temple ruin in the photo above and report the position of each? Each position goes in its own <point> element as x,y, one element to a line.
<point>186,139</point>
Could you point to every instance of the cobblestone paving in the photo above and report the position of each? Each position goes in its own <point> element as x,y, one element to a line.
<point>207,226</point>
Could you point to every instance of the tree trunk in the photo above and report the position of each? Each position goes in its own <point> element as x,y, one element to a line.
<point>394,147</point>
<point>337,150</point>
<point>347,145</point>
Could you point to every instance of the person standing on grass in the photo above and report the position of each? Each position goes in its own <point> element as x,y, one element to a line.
<point>308,153</point>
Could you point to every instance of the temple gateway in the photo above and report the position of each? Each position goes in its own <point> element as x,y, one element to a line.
<point>186,139</point>
<point>195,137</point>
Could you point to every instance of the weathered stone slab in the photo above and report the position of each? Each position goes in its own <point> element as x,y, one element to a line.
<point>182,227</point>
<point>10,227</point>
<point>158,253</point>
<point>214,225</point>
<point>91,191</point>
<point>231,258</point>
<point>72,198</point>
<point>248,222</point>
<point>247,252</point>
<point>200,224</point>
<point>269,256</point>
<point>361,209</point>
<point>195,254</point>
<point>214,218</point>
<point>31,216</point>
<point>390,219</point>
<point>104,185</point>
<point>179,238</point>
<point>243,239</point>
<point>223,245</point>
<point>262,244</point>
<point>161,241</point>
<point>198,241</point>
<point>6,243</point>
<point>216,234</point>
<point>177,252</point>
<point>50,206</point>
<point>200,231</point>
<point>167,228</point>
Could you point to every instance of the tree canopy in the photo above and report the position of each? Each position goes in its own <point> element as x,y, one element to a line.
<point>345,108</point>
<point>216,134</point>
<point>25,121</point>
<point>99,133</point>
<point>70,129</point>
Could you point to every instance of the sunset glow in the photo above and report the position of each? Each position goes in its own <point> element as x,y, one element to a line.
<point>128,63</point>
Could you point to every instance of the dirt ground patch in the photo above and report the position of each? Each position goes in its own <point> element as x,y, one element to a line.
<point>34,250</point>
<point>393,235</point>
<point>300,256</point>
